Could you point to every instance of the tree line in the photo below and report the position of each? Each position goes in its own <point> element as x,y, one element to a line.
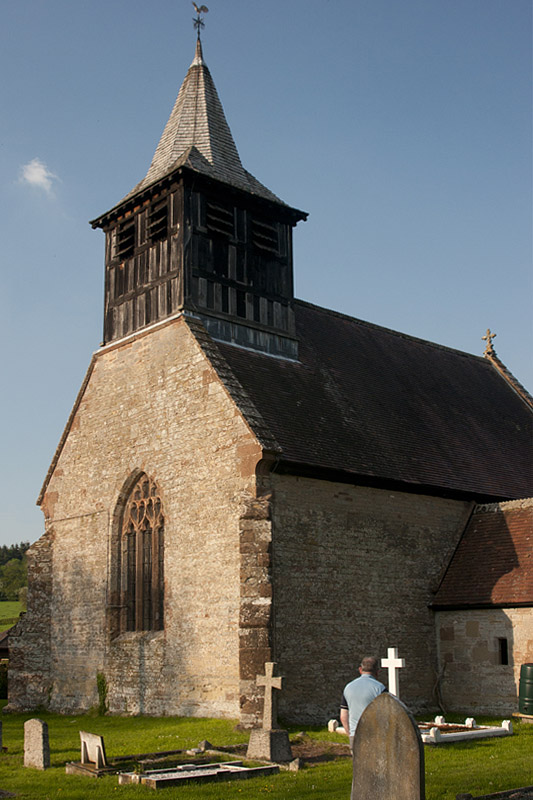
<point>13,573</point>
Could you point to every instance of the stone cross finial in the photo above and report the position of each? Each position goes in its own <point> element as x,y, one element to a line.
<point>393,665</point>
<point>489,348</point>
<point>270,683</point>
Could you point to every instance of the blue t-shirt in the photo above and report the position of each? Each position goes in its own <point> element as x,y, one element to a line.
<point>358,694</point>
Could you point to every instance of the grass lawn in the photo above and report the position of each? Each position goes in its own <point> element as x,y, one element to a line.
<point>476,767</point>
<point>9,613</point>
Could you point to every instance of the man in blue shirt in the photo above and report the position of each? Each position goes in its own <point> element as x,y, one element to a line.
<point>359,693</point>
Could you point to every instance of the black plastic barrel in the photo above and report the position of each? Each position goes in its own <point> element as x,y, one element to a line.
<point>525,694</point>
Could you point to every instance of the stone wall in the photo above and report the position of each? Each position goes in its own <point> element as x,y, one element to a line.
<point>153,404</point>
<point>29,675</point>
<point>474,681</point>
<point>354,570</point>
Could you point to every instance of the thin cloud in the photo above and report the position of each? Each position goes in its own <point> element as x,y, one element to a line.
<point>36,173</point>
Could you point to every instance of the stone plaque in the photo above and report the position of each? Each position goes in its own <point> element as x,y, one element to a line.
<point>36,744</point>
<point>388,754</point>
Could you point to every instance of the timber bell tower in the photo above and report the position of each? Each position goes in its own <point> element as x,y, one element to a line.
<point>200,235</point>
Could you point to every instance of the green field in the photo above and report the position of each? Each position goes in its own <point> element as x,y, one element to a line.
<point>9,613</point>
<point>477,767</point>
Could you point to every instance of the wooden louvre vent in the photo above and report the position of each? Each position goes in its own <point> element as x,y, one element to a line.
<point>220,219</point>
<point>265,235</point>
<point>158,221</point>
<point>125,239</point>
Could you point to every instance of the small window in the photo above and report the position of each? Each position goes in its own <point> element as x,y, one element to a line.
<point>503,651</point>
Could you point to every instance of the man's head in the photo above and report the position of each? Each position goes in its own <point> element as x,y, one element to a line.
<point>369,665</point>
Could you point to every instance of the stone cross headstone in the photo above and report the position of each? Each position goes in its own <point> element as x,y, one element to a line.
<point>388,754</point>
<point>269,743</point>
<point>36,744</point>
<point>92,749</point>
<point>393,665</point>
<point>269,705</point>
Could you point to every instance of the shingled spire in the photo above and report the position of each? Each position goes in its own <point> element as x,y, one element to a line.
<point>198,233</point>
<point>198,136</point>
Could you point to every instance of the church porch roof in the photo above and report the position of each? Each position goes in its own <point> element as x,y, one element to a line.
<point>492,565</point>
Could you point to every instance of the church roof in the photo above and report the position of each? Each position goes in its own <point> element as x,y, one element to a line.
<point>492,565</point>
<point>375,405</point>
<point>198,136</point>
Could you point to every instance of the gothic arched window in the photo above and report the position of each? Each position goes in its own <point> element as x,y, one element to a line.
<point>142,585</point>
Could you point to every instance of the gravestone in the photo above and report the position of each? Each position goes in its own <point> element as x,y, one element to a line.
<point>393,665</point>
<point>269,743</point>
<point>92,749</point>
<point>36,744</point>
<point>388,754</point>
<point>93,758</point>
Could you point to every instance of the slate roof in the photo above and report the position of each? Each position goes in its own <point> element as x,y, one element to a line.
<point>493,563</point>
<point>198,136</point>
<point>379,405</point>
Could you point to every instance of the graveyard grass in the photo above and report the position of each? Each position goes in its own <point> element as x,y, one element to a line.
<point>479,767</point>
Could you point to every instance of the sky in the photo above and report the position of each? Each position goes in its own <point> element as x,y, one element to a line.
<point>402,128</point>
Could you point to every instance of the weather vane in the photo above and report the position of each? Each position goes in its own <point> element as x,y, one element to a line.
<point>198,21</point>
<point>489,347</point>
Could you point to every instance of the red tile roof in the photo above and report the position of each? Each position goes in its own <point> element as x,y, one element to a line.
<point>376,404</point>
<point>493,563</point>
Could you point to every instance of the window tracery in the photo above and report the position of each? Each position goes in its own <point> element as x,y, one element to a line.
<point>142,579</point>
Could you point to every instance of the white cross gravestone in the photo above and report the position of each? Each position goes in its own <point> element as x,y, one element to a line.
<point>393,665</point>
<point>269,743</point>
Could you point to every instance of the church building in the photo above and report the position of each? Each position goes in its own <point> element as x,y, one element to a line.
<point>246,477</point>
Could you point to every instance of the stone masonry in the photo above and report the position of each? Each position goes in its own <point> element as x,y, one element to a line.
<point>152,404</point>
<point>256,563</point>
<point>469,654</point>
<point>354,571</point>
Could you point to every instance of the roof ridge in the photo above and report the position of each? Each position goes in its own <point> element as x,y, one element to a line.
<point>507,375</point>
<point>505,505</point>
<point>401,334</point>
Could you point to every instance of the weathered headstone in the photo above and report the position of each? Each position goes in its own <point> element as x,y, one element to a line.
<point>36,744</point>
<point>388,754</point>
<point>92,749</point>
<point>93,758</point>
<point>269,743</point>
<point>393,665</point>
